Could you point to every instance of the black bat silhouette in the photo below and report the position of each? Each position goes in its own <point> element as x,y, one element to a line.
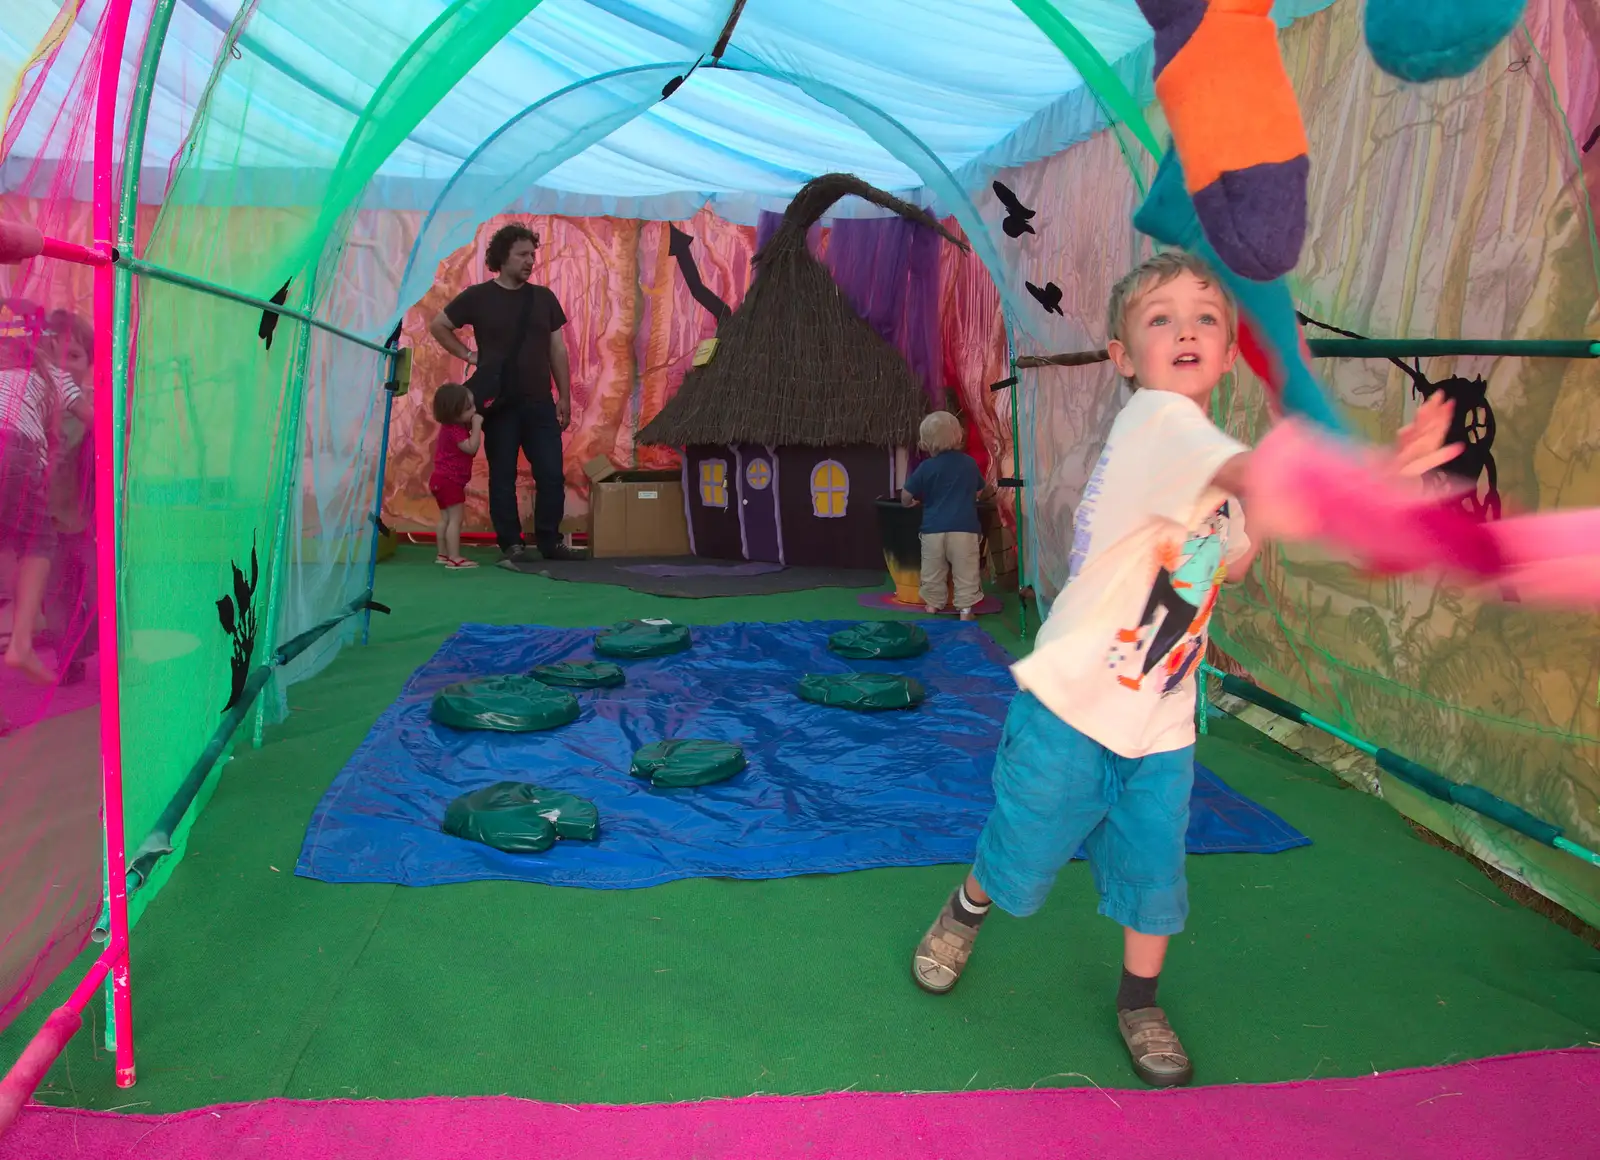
<point>269,318</point>
<point>679,248</point>
<point>1017,214</point>
<point>1049,297</point>
<point>1472,424</point>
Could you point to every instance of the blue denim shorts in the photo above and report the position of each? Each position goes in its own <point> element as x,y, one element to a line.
<point>1056,791</point>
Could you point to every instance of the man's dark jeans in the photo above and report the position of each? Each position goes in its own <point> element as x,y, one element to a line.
<point>531,427</point>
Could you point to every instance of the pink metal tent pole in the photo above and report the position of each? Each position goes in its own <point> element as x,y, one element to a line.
<point>25,1075</point>
<point>105,484</point>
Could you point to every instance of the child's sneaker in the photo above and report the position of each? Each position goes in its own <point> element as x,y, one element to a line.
<point>1153,1046</point>
<point>943,952</point>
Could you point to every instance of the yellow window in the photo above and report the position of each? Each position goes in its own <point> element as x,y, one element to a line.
<point>714,482</point>
<point>830,489</point>
<point>758,474</point>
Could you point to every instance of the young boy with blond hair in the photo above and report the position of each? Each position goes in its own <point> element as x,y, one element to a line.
<point>1098,746</point>
<point>947,485</point>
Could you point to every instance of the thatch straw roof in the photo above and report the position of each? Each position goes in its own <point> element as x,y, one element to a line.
<point>795,364</point>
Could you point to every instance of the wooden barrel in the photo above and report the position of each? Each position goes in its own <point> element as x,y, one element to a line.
<point>900,529</point>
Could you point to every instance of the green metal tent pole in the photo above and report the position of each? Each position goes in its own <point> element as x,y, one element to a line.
<point>377,500</point>
<point>1386,348</point>
<point>161,274</point>
<point>1435,347</point>
<point>1418,776</point>
<point>1108,89</point>
<point>1016,462</point>
<point>290,443</point>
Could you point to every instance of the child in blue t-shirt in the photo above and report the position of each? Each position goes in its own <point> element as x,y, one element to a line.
<point>947,485</point>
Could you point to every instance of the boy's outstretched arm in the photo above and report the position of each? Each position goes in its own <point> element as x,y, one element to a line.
<point>1240,568</point>
<point>1418,449</point>
<point>1233,477</point>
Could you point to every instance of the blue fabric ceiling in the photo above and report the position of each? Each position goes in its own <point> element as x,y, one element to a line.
<point>974,80</point>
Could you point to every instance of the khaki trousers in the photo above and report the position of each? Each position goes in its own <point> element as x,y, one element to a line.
<point>947,555</point>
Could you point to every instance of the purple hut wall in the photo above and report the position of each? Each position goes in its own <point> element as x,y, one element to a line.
<point>889,269</point>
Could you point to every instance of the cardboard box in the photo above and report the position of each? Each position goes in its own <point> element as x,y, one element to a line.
<point>638,513</point>
<point>599,469</point>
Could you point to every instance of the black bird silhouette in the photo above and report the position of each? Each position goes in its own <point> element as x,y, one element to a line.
<point>1049,297</point>
<point>1017,214</point>
<point>269,318</point>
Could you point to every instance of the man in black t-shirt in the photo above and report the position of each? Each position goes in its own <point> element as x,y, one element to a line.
<point>525,416</point>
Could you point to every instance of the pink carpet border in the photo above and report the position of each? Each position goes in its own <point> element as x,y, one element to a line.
<point>1538,1104</point>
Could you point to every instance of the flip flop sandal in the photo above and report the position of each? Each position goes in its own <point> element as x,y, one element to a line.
<point>1158,1057</point>
<point>459,563</point>
<point>445,560</point>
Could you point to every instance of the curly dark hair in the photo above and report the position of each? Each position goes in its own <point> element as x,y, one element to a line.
<point>450,403</point>
<point>499,248</point>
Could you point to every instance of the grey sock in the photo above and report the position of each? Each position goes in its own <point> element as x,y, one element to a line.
<point>1136,991</point>
<point>966,910</point>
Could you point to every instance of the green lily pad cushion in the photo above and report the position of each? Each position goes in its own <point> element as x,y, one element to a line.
<point>687,762</point>
<point>581,674</point>
<point>505,704</point>
<point>520,818</point>
<point>865,692</point>
<point>885,640</point>
<point>642,638</point>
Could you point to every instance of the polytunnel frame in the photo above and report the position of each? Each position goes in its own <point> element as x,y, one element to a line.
<point>936,177</point>
<point>112,257</point>
<point>1116,102</point>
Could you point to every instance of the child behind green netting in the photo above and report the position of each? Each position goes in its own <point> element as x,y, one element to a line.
<point>947,485</point>
<point>460,436</point>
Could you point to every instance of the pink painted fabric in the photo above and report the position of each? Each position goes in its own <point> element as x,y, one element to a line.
<point>1524,1106</point>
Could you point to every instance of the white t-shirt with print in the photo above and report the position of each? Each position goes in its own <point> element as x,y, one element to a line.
<point>29,401</point>
<point>1152,540</point>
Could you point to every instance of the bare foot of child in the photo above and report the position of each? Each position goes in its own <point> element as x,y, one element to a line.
<point>30,666</point>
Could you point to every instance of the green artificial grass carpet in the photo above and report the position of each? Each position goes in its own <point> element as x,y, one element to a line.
<point>1368,951</point>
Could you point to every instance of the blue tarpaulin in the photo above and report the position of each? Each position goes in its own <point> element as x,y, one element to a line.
<point>827,790</point>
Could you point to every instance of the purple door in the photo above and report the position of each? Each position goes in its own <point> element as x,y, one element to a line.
<point>758,503</point>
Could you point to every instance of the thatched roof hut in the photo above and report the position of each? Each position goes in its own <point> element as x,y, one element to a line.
<point>795,365</point>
